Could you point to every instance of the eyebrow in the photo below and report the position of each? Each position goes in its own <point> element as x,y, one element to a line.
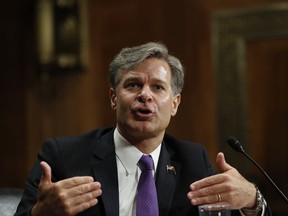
<point>131,79</point>
<point>154,80</point>
<point>137,78</point>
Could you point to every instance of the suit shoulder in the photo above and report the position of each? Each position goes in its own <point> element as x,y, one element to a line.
<point>184,145</point>
<point>69,150</point>
<point>76,142</point>
<point>91,135</point>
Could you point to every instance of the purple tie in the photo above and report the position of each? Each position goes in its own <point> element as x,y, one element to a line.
<point>147,204</point>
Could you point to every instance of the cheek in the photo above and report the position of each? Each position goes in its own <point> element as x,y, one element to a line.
<point>166,106</point>
<point>125,101</point>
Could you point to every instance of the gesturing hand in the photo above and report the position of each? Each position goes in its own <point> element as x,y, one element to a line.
<point>66,197</point>
<point>229,186</point>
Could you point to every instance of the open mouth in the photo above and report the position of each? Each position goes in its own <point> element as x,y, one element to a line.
<point>142,113</point>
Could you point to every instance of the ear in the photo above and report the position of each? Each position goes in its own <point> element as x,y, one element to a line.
<point>113,98</point>
<point>175,104</point>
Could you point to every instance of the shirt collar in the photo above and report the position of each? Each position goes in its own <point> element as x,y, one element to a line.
<point>129,155</point>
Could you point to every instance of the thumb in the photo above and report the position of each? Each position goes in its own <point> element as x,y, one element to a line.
<point>222,162</point>
<point>46,173</point>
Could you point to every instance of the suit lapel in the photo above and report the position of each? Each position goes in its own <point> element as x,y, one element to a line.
<point>166,179</point>
<point>104,168</point>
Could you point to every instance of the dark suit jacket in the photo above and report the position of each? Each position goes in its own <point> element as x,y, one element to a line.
<point>93,154</point>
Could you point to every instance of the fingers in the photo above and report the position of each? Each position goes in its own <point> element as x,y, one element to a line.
<point>85,191</point>
<point>81,193</point>
<point>214,188</point>
<point>213,198</point>
<point>229,186</point>
<point>222,163</point>
<point>69,196</point>
<point>207,190</point>
<point>46,173</point>
<point>75,181</point>
<point>208,182</point>
<point>213,181</point>
<point>87,197</point>
<point>80,186</point>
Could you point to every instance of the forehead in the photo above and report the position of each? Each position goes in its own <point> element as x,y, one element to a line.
<point>152,68</point>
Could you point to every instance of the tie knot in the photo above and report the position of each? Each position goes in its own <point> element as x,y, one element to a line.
<point>146,162</point>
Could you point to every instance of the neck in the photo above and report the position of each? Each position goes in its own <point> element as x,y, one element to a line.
<point>145,144</point>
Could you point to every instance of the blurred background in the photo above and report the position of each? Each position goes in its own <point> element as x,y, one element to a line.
<point>54,64</point>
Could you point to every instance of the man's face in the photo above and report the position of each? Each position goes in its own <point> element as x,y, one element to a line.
<point>144,100</point>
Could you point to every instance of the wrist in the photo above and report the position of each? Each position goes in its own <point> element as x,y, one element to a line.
<point>257,206</point>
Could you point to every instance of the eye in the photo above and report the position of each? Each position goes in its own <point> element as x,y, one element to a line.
<point>133,85</point>
<point>158,87</point>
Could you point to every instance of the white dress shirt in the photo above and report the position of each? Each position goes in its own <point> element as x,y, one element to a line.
<point>127,157</point>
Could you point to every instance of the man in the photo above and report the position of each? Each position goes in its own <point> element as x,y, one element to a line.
<point>98,173</point>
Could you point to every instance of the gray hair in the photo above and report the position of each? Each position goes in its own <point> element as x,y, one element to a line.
<point>129,58</point>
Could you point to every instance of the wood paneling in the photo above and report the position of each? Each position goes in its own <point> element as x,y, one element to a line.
<point>267,87</point>
<point>13,158</point>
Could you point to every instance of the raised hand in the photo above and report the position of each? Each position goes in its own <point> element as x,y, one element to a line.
<point>229,186</point>
<point>66,197</point>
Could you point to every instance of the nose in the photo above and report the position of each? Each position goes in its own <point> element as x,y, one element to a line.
<point>145,95</point>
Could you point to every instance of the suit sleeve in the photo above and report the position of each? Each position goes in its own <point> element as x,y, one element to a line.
<point>50,154</point>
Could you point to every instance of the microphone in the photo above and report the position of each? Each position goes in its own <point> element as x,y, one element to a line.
<point>236,145</point>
